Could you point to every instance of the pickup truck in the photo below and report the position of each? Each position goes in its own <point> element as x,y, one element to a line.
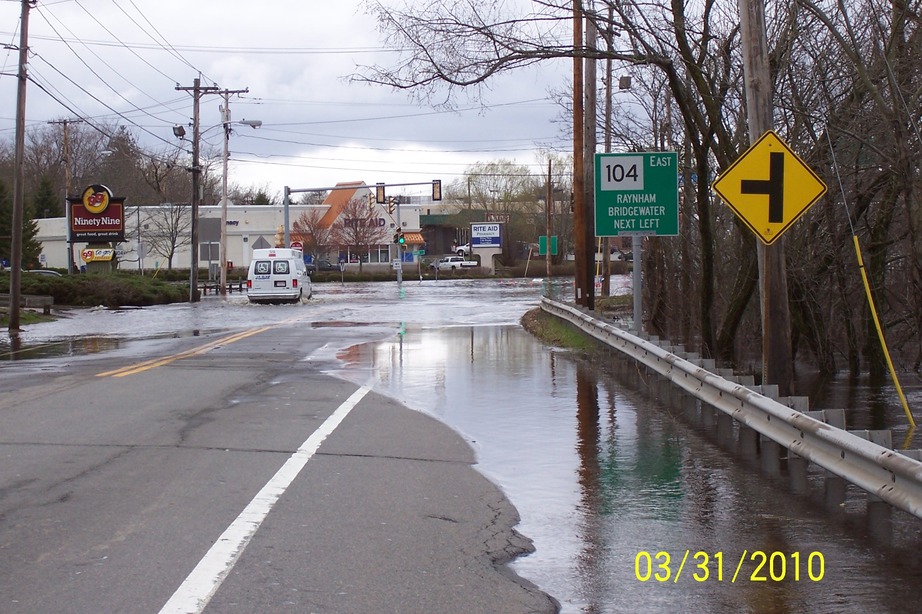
<point>450,263</point>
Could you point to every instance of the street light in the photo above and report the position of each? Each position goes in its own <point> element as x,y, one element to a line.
<point>252,123</point>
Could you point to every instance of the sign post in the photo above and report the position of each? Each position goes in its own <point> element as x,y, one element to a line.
<point>770,188</point>
<point>637,194</point>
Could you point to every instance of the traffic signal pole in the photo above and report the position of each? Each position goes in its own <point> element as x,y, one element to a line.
<point>399,246</point>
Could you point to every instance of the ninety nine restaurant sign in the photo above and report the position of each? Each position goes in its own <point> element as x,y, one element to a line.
<point>97,216</point>
<point>636,194</point>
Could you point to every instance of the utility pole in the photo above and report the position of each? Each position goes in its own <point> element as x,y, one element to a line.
<point>19,173</point>
<point>589,142</point>
<point>606,242</point>
<point>65,123</point>
<point>547,223</point>
<point>226,118</point>
<point>579,176</point>
<point>777,356</point>
<point>197,90</point>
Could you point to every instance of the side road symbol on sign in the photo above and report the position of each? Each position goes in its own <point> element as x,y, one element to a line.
<point>769,187</point>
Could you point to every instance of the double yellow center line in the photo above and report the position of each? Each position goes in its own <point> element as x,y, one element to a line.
<point>159,362</point>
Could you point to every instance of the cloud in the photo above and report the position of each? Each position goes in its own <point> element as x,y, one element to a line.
<point>123,61</point>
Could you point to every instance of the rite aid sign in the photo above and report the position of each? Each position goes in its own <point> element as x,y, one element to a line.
<point>486,235</point>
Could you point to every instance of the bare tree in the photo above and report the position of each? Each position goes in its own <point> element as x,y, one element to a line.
<point>316,237</point>
<point>358,228</point>
<point>168,229</point>
<point>313,198</point>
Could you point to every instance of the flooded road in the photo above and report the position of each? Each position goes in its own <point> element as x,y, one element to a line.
<point>606,482</point>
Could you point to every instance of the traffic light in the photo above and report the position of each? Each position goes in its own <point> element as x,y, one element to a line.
<point>391,205</point>
<point>436,189</point>
<point>401,240</point>
<point>396,237</point>
<point>371,199</point>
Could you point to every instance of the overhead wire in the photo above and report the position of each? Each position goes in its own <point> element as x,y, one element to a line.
<point>132,115</point>
<point>165,44</point>
<point>103,81</point>
<point>103,103</point>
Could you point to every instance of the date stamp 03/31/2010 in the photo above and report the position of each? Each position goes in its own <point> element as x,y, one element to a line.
<point>754,566</point>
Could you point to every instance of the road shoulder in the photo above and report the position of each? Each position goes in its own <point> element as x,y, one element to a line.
<point>391,515</point>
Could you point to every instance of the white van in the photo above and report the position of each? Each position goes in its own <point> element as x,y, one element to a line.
<point>278,275</point>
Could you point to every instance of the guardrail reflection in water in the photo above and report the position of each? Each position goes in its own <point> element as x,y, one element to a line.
<point>890,476</point>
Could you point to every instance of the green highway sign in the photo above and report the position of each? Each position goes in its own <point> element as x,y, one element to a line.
<point>637,194</point>
<point>542,245</point>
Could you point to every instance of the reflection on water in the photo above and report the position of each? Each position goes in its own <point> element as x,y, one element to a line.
<point>16,350</point>
<point>605,480</point>
<point>869,406</point>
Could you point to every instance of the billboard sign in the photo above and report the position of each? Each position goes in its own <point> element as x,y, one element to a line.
<point>96,216</point>
<point>486,235</point>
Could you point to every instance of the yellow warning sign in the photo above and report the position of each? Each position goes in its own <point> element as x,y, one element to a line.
<point>769,187</point>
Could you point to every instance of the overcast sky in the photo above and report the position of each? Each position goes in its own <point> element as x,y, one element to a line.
<point>121,60</point>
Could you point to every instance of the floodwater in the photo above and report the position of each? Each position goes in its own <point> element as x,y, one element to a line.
<point>607,482</point>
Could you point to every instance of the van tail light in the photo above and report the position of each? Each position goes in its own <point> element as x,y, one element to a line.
<point>294,283</point>
<point>249,283</point>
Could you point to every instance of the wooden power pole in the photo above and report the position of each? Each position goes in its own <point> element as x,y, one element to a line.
<point>197,91</point>
<point>589,142</point>
<point>777,356</point>
<point>19,173</point>
<point>65,124</point>
<point>580,250</point>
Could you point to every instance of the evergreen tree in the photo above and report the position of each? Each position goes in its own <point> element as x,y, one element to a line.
<point>45,203</point>
<point>262,198</point>
<point>6,222</point>
<point>31,247</point>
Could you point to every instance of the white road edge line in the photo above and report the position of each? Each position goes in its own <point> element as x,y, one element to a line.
<point>199,587</point>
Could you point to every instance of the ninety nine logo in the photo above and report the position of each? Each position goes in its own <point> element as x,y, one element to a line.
<point>96,198</point>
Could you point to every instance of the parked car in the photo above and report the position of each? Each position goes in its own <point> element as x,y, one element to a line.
<point>463,250</point>
<point>46,272</point>
<point>450,263</point>
<point>320,265</point>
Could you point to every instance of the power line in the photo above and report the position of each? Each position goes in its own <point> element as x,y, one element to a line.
<point>103,81</point>
<point>210,49</point>
<point>97,99</point>
<point>167,46</point>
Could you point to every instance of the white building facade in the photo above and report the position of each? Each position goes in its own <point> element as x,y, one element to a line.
<point>248,227</point>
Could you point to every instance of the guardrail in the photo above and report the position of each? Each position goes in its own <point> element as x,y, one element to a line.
<point>884,473</point>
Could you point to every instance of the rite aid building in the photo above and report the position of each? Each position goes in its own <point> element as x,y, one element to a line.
<point>248,227</point>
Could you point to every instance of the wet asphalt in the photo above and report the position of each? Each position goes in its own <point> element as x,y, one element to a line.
<point>119,477</point>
